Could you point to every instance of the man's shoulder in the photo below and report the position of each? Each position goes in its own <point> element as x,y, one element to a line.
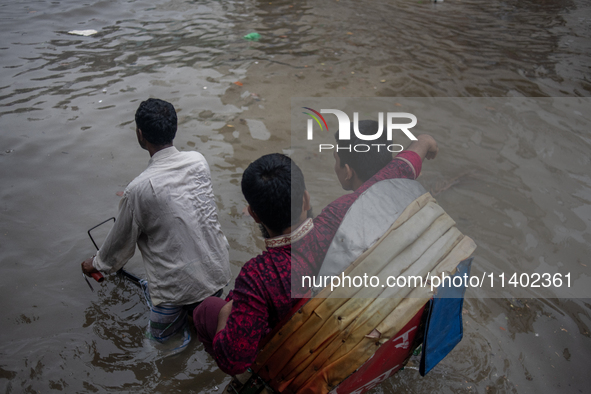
<point>264,275</point>
<point>180,161</point>
<point>341,203</point>
<point>135,185</point>
<point>264,262</point>
<point>138,183</point>
<point>192,155</point>
<point>190,160</point>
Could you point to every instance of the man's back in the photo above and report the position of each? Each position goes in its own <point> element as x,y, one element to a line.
<point>262,298</point>
<point>172,208</point>
<point>170,213</point>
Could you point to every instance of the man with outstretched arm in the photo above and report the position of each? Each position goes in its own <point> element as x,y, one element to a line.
<point>170,213</point>
<point>274,188</point>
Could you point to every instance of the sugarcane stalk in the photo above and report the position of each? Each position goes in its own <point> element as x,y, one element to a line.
<point>368,312</point>
<point>328,337</point>
<point>394,243</point>
<point>306,312</point>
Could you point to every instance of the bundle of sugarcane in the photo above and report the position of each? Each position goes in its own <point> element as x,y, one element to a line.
<point>337,331</point>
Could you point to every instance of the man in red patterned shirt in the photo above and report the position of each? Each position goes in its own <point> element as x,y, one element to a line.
<point>231,330</point>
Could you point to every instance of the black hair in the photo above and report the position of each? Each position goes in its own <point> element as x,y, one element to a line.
<point>365,164</point>
<point>270,184</point>
<point>157,120</point>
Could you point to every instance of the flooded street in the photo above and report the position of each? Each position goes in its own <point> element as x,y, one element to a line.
<point>521,190</point>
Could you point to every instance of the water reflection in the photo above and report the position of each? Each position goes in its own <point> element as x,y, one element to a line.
<point>67,148</point>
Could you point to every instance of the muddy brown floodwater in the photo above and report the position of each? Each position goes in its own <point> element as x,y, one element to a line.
<point>67,148</point>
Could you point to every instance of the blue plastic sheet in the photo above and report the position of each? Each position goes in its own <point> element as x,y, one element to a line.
<point>444,327</point>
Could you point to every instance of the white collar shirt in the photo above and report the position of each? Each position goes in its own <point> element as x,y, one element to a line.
<point>170,213</point>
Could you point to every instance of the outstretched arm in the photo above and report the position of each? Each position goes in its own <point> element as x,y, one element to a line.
<point>425,147</point>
